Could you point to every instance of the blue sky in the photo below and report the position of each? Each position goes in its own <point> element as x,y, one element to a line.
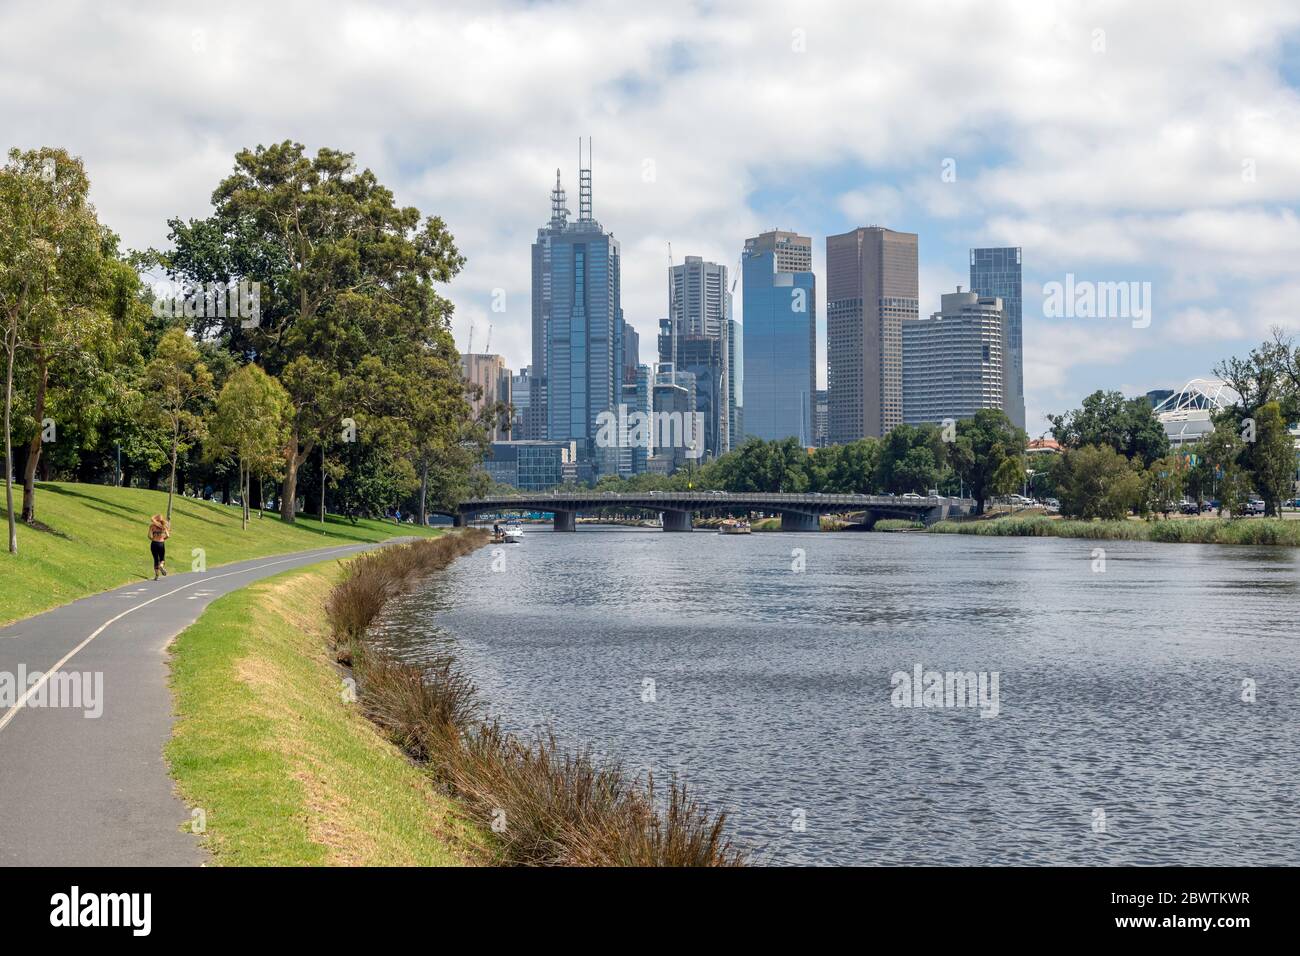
<point>1155,142</point>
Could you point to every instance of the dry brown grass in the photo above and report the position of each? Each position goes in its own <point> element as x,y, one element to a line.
<point>372,579</point>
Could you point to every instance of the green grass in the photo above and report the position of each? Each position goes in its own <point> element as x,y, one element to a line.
<point>94,537</point>
<point>1191,531</point>
<point>896,524</point>
<point>287,772</point>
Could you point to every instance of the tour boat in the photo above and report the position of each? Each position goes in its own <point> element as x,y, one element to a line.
<point>734,527</point>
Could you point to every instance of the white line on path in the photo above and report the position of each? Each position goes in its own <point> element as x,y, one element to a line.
<point>22,701</point>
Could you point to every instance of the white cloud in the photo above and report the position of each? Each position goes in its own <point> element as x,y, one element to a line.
<point>1129,159</point>
<point>1198,325</point>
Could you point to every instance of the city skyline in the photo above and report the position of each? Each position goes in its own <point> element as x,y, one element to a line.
<point>1195,188</point>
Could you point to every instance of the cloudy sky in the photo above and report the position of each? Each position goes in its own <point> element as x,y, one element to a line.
<point>1155,142</point>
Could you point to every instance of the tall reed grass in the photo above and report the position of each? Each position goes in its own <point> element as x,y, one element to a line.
<point>1197,531</point>
<point>546,806</point>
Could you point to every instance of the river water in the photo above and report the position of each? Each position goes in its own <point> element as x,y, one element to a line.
<point>1122,734</point>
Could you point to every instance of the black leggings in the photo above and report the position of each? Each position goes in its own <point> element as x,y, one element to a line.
<point>159,550</point>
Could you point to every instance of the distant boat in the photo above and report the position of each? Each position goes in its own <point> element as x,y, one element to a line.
<point>734,527</point>
<point>510,534</point>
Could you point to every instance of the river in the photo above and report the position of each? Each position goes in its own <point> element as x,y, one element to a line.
<point>767,670</point>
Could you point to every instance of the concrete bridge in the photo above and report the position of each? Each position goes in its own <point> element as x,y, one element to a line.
<point>799,512</point>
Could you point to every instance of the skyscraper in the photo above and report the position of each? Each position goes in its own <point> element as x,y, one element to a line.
<point>735,385</point>
<point>635,448</point>
<point>631,353</point>
<point>699,305</point>
<point>780,336</point>
<point>520,395</point>
<point>871,287</point>
<point>700,299</point>
<point>703,357</point>
<point>953,361</point>
<point>996,271</point>
<point>821,418</point>
<point>676,442</point>
<point>493,379</point>
<point>577,328</point>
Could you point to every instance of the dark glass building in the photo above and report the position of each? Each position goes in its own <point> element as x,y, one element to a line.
<point>996,272</point>
<point>577,330</point>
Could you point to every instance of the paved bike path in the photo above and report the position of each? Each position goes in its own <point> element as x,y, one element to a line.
<point>94,791</point>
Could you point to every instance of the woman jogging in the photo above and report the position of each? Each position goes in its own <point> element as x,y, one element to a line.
<point>159,531</point>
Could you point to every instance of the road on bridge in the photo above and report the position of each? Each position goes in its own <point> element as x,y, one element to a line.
<point>94,791</point>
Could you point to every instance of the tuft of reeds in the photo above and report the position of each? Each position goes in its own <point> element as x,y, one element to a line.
<point>372,579</point>
<point>545,805</point>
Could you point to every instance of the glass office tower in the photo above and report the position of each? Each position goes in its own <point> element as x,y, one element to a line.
<point>996,272</point>
<point>577,330</point>
<point>780,336</point>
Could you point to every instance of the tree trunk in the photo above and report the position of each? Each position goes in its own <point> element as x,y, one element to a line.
<point>294,459</point>
<point>11,346</point>
<point>34,449</point>
<point>171,485</point>
<point>322,486</point>
<point>243,498</point>
<point>424,493</point>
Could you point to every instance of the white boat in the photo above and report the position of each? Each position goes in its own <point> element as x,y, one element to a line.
<point>513,534</point>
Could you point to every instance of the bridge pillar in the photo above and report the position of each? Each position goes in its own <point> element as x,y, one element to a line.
<point>798,521</point>
<point>564,521</point>
<point>676,520</point>
<point>458,520</point>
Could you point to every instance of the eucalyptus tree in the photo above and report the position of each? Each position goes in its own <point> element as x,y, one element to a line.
<point>179,386</point>
<point>344,274</point>
<point>250,423</point>
<point>58,265</point>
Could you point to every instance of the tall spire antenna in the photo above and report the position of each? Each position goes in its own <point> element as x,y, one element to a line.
<point>584,183</point>
<point>558,213</point>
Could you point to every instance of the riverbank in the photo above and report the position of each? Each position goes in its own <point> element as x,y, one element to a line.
<point>90,538</point>
<point>1257,531</point>
<point>545,805</point>
<point>283,765</point>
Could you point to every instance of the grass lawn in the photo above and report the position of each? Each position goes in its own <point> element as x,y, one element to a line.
<point>95,537</point>
<point>287,772</point>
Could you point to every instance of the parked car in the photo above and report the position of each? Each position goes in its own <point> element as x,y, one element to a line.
<point>1189,508</point>
<point>911,494</point>
<point>1255,507</point>
<point>1211,505</point>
